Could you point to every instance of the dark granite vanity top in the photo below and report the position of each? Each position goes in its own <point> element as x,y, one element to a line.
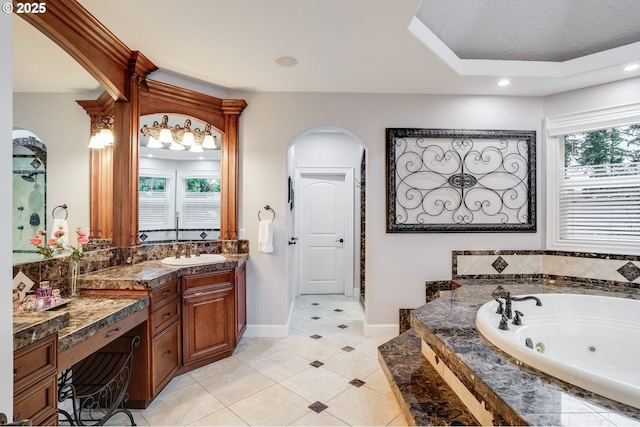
<point>90,314</point>
<point>29,327</point>
<point>74,322</point>
<point>150,274</point>
<point>521,395</point>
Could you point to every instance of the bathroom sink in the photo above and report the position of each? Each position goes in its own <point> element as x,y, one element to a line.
<point>194,260</point>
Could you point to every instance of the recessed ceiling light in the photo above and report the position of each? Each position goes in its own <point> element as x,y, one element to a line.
<point>504,82</point>
<point>287,61</point>
<point>632,67</point>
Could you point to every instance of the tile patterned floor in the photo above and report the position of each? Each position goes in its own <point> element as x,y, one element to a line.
<point>326,372</point>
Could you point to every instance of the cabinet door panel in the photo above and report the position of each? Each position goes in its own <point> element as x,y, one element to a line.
<point>208,325</point>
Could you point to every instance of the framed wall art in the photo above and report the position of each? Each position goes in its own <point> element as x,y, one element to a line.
<point>446,180</point>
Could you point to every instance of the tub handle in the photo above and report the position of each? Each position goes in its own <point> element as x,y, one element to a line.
<point>516,318</point>
<point>500,309</point>
<point>504,323</point>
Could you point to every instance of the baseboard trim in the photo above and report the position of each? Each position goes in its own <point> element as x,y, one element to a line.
<point>376,330</point>
<point>270,331</point>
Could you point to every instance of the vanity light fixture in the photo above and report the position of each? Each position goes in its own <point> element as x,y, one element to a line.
<point>179,137</point>
<point>102,133</point>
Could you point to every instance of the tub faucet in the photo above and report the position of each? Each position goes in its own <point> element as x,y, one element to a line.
<point>507,305</point>
<point>530,297</point>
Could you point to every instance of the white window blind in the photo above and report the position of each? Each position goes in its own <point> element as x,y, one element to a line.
<point>156,200</point>
<point>201,210</point>
<point>600,202</point>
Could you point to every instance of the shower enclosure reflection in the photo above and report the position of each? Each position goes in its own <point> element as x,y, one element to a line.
<point>29,193</point>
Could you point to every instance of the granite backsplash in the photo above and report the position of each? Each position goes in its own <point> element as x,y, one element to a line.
<point>57,270</point>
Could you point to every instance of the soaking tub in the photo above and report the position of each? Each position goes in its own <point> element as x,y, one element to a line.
<point>589,341</point>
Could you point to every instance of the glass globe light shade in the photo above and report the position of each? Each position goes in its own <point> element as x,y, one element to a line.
<point>176,147</point>
<point>165,135</point>
<point>154,143</point>
<point>208,142</point>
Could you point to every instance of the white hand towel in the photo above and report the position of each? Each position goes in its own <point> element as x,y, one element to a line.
<point>59,223</point>
<point>265,236</point>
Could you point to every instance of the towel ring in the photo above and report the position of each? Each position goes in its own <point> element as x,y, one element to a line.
<point>268,208</point>
<point>63,206</point>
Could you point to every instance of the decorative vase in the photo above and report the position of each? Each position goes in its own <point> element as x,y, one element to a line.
<point>73,283</point>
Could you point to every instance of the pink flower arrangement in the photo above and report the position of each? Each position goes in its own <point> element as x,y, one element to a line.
<point>52,244</point>
<point>44,249</point>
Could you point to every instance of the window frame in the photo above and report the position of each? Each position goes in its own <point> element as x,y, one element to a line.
<point>181,177</point>
<point>556,127</point>
<point>170,199</point>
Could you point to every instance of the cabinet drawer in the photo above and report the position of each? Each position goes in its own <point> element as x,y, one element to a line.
<point>163,294</point>
<point>164,316</point>
<point>166,356</point>
<point>191,283</point>
<point>34,362</point>
<point>37,403</point>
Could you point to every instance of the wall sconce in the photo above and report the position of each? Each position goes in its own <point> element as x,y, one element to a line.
<point>102,133</point>
<point>179,137</point>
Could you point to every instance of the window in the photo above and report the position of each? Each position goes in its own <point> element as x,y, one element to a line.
<point>156,200</point>
<point>593,181</point>
<point>199,201</point>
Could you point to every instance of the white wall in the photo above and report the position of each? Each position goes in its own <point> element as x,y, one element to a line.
<point>6,319</point>
<point>595,97</point>
<point>397,264</point>
<point>64,127</point>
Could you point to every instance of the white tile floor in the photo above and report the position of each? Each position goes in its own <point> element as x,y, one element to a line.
<point>269,381</point>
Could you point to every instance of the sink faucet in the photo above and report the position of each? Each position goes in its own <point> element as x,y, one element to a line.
<point>187,248</point>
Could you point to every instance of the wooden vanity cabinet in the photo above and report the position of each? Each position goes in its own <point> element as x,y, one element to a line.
<point>166,348</point>
<point>241,301</point>
<point>208,317</point>
<point>35,384</point>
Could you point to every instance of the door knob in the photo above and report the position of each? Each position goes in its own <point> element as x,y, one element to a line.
<point>340,240</point>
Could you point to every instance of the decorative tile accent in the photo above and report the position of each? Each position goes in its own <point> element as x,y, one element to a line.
<point>630,271</point>
<point>499,264</point>
<point>316,363</point>
<point>348,349</point>
<point>203,235</point>
<point>317,406</point>
<point>316,336</point>
<point>342,326</point>
<point>315,317</point>
<point>356,382</point>
<point>143,237</point>
<point>339,310</point>
<point>315,303</point>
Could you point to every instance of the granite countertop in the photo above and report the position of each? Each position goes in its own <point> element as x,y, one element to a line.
<point>29,327</point>
<point>81,318</point>
<point>89,315</point>
<point>150,274</point>
<point>520,394</point>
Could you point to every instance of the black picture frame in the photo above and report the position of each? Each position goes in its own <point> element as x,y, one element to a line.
<point>452,180</point>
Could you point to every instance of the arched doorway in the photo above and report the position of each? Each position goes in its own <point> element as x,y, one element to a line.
<point>325,216</point>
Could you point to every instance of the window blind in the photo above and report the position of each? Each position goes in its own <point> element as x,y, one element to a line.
<point>153,208</point>
<point>201,210</point>
<point>600,202</point>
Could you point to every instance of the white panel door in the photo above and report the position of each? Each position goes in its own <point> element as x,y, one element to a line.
<point>322,233</point>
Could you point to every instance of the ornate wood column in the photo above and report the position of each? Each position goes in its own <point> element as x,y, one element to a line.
<point>229,165</point>
<point>125,154</point>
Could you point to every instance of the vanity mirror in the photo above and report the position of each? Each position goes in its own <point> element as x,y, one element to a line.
<point>179,180</point>
<point>49,138</point>
<point>129,95</point>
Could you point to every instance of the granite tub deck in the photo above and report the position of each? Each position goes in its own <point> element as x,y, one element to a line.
<point>511,393</point>
<point>149,274</point>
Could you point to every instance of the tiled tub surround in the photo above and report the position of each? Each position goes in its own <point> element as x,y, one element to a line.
<point>614,272</point>
<point>500,388</point>
<point>57,270</point>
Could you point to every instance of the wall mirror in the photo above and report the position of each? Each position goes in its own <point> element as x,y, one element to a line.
<point>179,180</point>
<point>57,137</point>
<point>129,95</point>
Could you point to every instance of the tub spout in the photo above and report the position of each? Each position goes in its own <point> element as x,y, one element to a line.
<point>530,297</point>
